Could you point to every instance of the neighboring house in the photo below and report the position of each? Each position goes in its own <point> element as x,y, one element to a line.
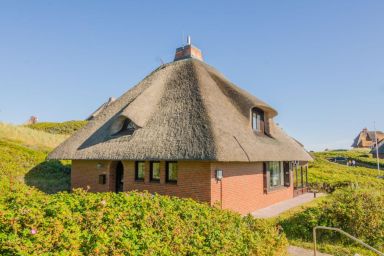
<point>380,149</point>
<point>367,139</point>
<point>186,131</point>
<point>101,108</point>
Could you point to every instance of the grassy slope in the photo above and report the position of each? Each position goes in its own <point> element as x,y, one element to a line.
<point>335,175</point>
<point>323,173</point>
<point>22,157</point>
<point>68,127</point>
<point>34,139</point>
<point>360,155</point>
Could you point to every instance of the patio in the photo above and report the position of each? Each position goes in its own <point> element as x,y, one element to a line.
<point>276,209</point>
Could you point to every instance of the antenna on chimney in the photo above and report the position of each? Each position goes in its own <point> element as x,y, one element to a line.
<point>189,40</point>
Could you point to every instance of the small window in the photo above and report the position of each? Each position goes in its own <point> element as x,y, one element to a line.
<point>172,172</point>
<point>276,174</point>
<point>102,179</point>
<point>258,120</point>
<point>155,171</point>
<point>123,126</point>
<point>139,171</point>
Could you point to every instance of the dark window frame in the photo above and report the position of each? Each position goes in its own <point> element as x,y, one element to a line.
<point>102,179</point>
<point>267,177</point>
<point>151,172</point>
<point>258,127</point>
<point>167,172</point>
<point>137,171</point>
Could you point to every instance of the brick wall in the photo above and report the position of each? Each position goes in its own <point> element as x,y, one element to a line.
<point>193,180</point>
<point>86,173</point>
<point>242,188</point>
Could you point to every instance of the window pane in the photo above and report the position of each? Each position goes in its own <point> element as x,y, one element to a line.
<point>172,171</point>
<point>258,124</point>
<point>254,121</point>
<point>140,170</point>
<point>275,173</point>
<point>155,171</point>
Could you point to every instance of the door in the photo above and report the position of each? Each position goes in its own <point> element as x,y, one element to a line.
<point>119,177</point>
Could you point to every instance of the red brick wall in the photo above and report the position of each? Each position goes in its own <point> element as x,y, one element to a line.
<point>86,174</point>
<point>243,189</point>
<point>242,186</point>
<point>193,180</point>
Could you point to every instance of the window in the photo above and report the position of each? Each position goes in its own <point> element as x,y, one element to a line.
<point>258,120</point>
<point>123,126</point>
<point>276,174</point>
<point>102,179</point>
<point>139,171</point>
<point>155,171</point>
<point>172,172</point>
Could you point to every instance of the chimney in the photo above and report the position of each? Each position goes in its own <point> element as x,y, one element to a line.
<point>188,51</point>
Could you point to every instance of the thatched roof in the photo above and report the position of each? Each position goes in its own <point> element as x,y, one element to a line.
<point>184,110</point>
<point>367,135</point>
<point>100,109</point>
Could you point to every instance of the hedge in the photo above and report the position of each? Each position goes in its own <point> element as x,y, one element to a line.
<point>82,223</point>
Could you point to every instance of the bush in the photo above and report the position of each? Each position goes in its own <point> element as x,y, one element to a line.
<point>67,128</point>
<point>81,223</point>
<point>358,212</point>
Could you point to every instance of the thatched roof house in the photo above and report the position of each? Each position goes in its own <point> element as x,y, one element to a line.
<point>367,139</point>
<point>184,112</point>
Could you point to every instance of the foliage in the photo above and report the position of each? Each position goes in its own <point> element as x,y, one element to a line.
<point>34,139</point>
<point>328,176</point>
<point>81,223</point>
<point>358,212</point>
<point>67,128</point>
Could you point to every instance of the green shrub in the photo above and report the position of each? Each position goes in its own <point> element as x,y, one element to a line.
<point>81,223</point>
<point>359,212</point>
<point>68,127</point>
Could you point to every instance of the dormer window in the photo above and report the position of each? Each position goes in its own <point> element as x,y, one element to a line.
<point>123,126</point>
<point>258,120</point>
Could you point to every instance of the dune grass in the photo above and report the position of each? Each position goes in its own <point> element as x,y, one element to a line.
<point>23,153</point>
<point>68,127</point>
<point>32,138</point>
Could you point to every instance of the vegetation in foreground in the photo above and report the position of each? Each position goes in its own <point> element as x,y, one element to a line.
<point>356,211</point>
<point>81,223</point>
<point>355,204</point>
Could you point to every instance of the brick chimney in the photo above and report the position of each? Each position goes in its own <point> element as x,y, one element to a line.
<point>188,51</point>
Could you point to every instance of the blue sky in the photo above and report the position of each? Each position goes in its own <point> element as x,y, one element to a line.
<point>319,63</point>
